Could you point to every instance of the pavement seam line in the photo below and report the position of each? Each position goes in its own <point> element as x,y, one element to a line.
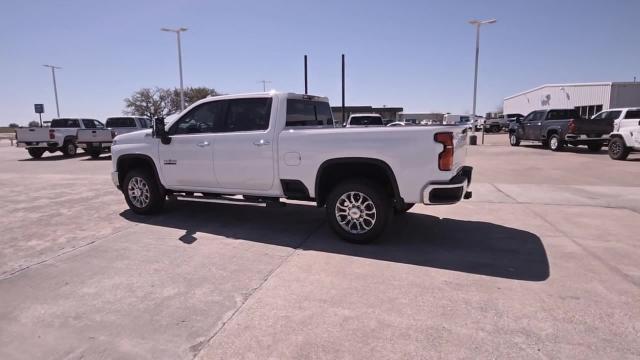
<point>504,193</point>
<point>254,290</point>
<point>18,271</point>
<point>612,268</point>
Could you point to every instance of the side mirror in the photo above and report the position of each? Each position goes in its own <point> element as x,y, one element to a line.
<point>160,132</point>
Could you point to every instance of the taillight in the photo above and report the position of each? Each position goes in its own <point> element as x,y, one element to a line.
<point>445,158</point>
<point>572,128</point>
<point>52,134</point>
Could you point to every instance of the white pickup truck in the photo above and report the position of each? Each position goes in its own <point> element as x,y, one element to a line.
<point>269,146</point>
<point>61,136</point>
<point>98,139</point>
<point>625,137</point>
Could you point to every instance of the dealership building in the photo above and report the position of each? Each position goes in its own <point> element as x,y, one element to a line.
<point>587,98</point>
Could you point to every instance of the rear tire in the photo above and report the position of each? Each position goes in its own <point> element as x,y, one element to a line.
<point>36,153</point>
<point>142,193</point>
<point>618,150</point>
<point>514,140</point>
<point>358,210</point>
<point>555,143</point>
<point>69,149</point>
<point>594,147</point>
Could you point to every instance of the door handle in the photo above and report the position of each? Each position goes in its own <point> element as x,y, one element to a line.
<point>203,144</point>
<point>261,142</point>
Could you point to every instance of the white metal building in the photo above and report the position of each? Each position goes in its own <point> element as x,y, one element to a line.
<point>587,98</point>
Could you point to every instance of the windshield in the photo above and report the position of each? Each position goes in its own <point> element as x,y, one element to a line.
<point>366,120</point>
<point>121,122</point>
<point>465,119</point>
<point>65,123</point>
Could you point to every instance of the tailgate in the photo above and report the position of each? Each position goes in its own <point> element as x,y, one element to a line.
<point>94,135</point>
<point>593,126</point>
<point>459,146</point>
<point>32,135</point>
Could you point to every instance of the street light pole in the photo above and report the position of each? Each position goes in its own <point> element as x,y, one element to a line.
<point>55,87</point>
<point>178,31</point>
<point>477,23</point>
<point>264,84</point>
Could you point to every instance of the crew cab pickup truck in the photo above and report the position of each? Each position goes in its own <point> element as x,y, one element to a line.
<point>98,139</point>
<point>556,128</point>
<point>270,146</point>
<point>625,137</point>
<point>500,122</point>
<point>61,136</point>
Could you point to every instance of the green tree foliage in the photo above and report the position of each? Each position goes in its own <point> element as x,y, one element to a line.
<point>14,125</point>
<point>155,102</point>
<point>34,123</point>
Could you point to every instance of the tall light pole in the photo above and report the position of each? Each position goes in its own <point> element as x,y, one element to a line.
<point>178,31</point>
<point>264,84</point>
<point>477,23</point>
<point>55,87</point>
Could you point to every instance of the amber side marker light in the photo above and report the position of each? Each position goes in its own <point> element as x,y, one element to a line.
<point>445,158</point>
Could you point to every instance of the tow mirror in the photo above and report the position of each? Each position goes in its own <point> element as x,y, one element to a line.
<point>160,132</point>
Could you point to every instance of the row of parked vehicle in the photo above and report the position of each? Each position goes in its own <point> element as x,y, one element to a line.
<point>66,135</point>
<point>557,128</point>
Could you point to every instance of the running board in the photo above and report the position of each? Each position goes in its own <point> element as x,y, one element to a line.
<point>228,200</point>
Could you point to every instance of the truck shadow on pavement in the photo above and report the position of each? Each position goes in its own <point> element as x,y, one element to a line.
<point>569,149</point>
<point>472,247</point>
<point>56,157</point>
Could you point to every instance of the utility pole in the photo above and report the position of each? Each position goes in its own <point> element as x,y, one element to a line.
<point>342,107</point>
<point>55,87</point>
<point>178,31</point>
<point>306,87</point>
<point>264,84</point>
<point>477,23</point>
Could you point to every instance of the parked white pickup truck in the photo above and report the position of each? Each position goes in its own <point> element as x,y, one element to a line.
<point>269,146</point>
<point>364,120</point>
<point>625,137</point>
<point>59,136</point>
<point>98,139</point>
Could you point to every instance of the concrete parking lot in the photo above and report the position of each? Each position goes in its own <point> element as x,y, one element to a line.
<point>541,263</point>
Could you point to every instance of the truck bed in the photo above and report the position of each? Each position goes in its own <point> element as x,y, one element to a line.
<point>593,126</point>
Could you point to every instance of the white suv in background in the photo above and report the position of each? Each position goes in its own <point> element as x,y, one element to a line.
<point>625,137</point>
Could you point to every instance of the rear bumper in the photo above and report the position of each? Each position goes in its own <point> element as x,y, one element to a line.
<point>449,192</point>
<point>586,139</point>
<point>88,144</point>
<point>29,144</point>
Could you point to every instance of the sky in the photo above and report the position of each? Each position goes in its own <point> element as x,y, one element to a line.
<point>415,54</point>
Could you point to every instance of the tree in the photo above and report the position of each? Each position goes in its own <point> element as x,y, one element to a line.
<point>157,102</point>
<point>34,123</point>
<point>14,125</point>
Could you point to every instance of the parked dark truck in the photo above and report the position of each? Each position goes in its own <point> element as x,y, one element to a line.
<point>556,128</point>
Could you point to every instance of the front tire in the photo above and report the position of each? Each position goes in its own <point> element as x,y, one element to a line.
<point>618,150</point>
<point>36,153</point>
<point>514,140</point>
<point>142,193</point>
<point>358,210</point>
<point>555,143</point>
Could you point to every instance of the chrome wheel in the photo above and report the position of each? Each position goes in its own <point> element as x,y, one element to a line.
<point>355,212</point>
<point>71,149</point>
<point>513,139</point>
<point>139,193</point>
<point>553,143</point>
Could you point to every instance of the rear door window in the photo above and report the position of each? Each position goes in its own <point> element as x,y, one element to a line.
<point>65,123</point>
<point>248,114</point>
<point>632,114</point>
<point>562,114</point>
<point>121,122</point>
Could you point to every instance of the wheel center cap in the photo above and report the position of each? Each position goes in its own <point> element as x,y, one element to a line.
<point>136,192</point>
<point>354,213</point>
